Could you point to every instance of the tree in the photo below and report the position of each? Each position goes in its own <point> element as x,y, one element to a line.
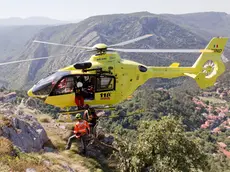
<point>161,146</point>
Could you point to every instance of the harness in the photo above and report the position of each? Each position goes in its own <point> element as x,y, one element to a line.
<point>91,116</point>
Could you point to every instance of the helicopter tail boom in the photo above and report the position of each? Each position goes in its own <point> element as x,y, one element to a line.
<point>207,68</point>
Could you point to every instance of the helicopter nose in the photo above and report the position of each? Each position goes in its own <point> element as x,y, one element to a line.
<point>30,93</point>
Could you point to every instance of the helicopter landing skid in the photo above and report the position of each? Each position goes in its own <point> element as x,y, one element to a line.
<point>82,110</point>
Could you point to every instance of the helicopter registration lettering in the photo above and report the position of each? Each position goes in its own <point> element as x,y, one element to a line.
<point>103,58</point>
<point>105,96</point>
<point>217,50</point>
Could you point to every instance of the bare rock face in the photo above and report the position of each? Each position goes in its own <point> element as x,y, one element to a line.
<point>7,109</point>
<point>101,147</point>
<point>30,102</point>
<point>24,131</point>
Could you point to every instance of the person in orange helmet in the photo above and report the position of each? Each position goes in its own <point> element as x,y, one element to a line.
<point>81,130</point>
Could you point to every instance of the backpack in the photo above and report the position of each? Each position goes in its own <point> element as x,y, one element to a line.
<point>91,112</point>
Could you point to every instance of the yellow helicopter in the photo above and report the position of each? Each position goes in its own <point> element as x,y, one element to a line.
<point>107,79</point>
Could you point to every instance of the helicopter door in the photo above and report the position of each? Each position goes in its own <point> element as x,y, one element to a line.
<point>85,86</point>
<point>105,89</point>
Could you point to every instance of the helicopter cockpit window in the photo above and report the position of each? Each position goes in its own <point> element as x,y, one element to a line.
<point>45,86</point>
<point>105,83</point>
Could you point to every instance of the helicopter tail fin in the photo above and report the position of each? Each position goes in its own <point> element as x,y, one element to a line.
<point>209,66</point>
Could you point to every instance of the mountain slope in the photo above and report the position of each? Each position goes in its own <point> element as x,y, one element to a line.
<point>206,24</point>
<point>108,29</point>
<point>14,38</point>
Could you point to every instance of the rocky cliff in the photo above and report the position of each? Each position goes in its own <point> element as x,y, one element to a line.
<point>22,128</point>
<point>34,141</point>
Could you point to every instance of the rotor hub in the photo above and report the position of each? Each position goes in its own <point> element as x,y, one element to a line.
<point>100,46</point>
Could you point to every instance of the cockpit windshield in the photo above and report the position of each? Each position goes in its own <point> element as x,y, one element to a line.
<point>44,86</point>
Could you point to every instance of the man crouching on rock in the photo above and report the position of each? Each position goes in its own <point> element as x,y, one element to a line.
<point>81,130</point>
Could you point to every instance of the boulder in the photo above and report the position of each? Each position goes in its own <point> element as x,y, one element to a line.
<point>101,148</point>
<point>108,139</point>
<point>25,132</point>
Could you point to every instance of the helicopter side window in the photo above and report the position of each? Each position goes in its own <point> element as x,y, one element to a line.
<point>105,83</point>
<point>65,86</point>
<point>79,84</point>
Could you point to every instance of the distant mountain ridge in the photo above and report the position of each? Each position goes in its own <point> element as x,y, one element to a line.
<point>17,21</point>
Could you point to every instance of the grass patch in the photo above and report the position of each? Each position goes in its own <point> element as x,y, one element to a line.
<point>18,161</point>
<point>60,120</point>
<point>70,126</point>
<point>4,167</point>
<point>44,118</point>
<point>56,162</point>
<point>73,160</point>
<point>4,121</point>
<point>64,118</point>
<point>21,163</point>
<point>90,163</point>
<point>56,140</point>
<point>6,146</point>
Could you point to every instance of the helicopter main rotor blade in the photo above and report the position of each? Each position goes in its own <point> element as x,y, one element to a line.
<point>162,50</point>
<point>65,45</point>
<point>27,60</point>
<point>131,41</point>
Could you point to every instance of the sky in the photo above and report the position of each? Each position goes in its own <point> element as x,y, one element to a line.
<point>81,9</point>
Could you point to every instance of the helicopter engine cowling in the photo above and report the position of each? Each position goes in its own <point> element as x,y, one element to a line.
<point>83,65</point>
